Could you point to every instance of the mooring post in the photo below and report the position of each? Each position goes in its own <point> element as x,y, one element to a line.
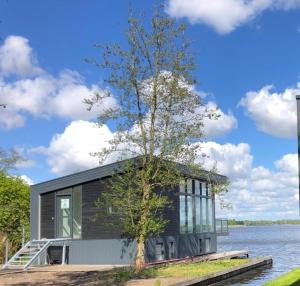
<point>63,254</point>
<point>298,133</point>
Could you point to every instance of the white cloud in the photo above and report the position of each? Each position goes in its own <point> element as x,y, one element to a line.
<point>220,126</point>
<point>46,96</point>
<point>27,180</point>
<point>234,161</point>
<point>225,15</point>
<point>69,151</point>
<point>16,58</point>
<point>40,94</point>
<point>273,113</point>
<point>255,192</point>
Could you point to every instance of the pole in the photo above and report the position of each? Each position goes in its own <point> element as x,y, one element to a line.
<point>23,236</point>
<point>298,133</point>
<point>6,251</point>
<point>63,254</point>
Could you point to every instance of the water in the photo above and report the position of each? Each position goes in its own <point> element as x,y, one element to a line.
<point>280,241</point>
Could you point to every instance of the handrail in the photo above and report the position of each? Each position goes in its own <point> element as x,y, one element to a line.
<point>36,255</point>
<point>45,244</point>
<point>15,255</point>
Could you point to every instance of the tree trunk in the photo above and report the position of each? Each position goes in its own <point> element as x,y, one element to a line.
<point>140,257</point>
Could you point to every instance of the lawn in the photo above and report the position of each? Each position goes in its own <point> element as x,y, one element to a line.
<point>188,270</point>
<point>291,278</point>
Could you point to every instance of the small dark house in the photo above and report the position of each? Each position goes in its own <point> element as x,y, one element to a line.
<point>63,215</point>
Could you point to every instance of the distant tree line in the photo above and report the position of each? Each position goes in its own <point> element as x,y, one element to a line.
<point>233,222</point>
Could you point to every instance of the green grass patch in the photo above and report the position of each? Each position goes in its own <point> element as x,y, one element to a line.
<point>189,270</point>
<point>291,278</point>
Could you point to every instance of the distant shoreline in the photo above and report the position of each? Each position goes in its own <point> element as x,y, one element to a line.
<point>242,225</point>
<point>238,223</point>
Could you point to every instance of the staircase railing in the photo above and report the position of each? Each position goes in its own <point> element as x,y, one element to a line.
<point>42,246</point>
<point>30,262</point>
<point>15,255</point>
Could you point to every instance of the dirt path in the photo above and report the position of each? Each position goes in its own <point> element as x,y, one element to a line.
<point>76,275</point>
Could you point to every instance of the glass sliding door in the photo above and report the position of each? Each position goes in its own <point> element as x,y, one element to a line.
<point>64,216</point>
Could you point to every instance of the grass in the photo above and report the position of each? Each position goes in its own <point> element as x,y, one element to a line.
<point>188,270</point>
<point>291,278</point>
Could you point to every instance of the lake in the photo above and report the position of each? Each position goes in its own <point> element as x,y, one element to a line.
<point>280,241</point>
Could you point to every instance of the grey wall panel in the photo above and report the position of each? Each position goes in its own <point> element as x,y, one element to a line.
<point>34,215</point>
<point>185,245</point>
<point>123,252</point>
<point>102,251</point>
<point>47,215</point>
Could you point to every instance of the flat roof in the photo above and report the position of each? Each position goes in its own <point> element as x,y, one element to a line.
<point>107,171</point>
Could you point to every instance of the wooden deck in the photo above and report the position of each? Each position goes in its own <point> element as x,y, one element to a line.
<point>224,255</point>
<point>205,257</point>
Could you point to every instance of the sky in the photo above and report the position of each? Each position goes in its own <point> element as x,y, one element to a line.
<point>248,66</point>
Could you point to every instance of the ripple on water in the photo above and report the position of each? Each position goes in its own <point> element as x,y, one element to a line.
<point>280,241</point>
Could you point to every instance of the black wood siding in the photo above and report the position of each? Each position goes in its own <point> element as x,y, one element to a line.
<point>47,215</point>
<point>171,213</point>
<point>94,227</point>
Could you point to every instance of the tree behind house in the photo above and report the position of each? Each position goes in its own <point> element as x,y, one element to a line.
<point>14,203</point>
<point>159,117</point>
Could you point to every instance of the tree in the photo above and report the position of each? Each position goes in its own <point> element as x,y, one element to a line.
<point>159,117</point>
<point>14,201</point>
<point>14,209</point>
<point>9,159</point>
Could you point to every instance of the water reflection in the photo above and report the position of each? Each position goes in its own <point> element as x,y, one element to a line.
<point>280,241</point>
<point>247,278</point>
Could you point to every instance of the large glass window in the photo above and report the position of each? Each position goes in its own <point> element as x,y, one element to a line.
<point>198,213</point>
<point>203,189</point>
<point>190,223</point>
<point>197,188</point>
<point>204,214</point>
<point>196,207</point>
<point>183,227</point>
<point>209,215</point>
<point>209,189</point>
<point>189,186</point>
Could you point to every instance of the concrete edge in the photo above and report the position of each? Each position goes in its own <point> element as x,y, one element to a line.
<point>226,274</point>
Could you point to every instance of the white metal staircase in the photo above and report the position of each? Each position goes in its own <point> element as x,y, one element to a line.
<point>28,254</point>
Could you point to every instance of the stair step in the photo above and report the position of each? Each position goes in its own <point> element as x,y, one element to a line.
<point>28,254</point>
<point>25,251</point>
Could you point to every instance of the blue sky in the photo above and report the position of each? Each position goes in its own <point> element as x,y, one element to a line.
<point>242,48</point>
